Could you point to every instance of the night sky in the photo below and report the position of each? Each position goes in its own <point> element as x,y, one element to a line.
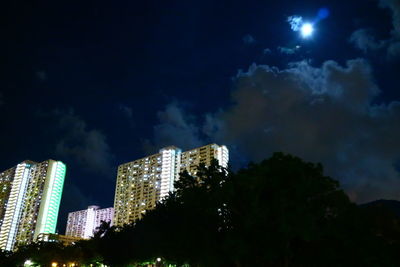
<point>100,83</point>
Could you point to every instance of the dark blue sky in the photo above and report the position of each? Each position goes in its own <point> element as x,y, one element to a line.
<point>98,83</point>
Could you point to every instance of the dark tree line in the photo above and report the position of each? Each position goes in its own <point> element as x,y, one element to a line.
<point>280,212</point>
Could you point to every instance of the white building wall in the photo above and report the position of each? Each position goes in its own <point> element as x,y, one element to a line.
<point>76,223</point>
<point>169,169</point>
<point>83,223</point>
<point>223,156</point>
<point>105,215</point>
<point>12,216</point>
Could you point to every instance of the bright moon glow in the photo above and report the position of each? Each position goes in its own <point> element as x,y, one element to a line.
<point>306,30</point>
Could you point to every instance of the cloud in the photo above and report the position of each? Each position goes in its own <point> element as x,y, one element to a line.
<point>127,111</point>
<point>286,50</point>
<point>295,22</point>
<point>324,114</point>
<point>365,40</point>
<point>394,6</point>
<point>248,39</point>
<point>88,147</point>
<point>267,51</point>
<point>175,127</point>
<point>394,50</point>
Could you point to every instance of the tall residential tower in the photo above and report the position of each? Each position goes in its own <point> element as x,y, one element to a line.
<point>144,182</point>
<point>83,223</point>
<point>29,201</point>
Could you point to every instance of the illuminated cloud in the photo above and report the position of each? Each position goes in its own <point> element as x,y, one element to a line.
<point>286,50</point>
<point>324,114</point>
<point>295,22</point>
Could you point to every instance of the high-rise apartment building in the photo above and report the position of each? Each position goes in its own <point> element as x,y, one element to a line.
<point>83,223</point>
<point>192,158</point>
<point>144,182</point>
<point>29,201</point>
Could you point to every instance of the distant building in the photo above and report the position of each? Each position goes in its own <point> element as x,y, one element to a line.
<point>83,223</point>
<point>30,195</point>
<point>63,239</point>
<point>144,182</point>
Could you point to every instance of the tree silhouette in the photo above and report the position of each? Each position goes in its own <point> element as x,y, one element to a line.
<point>279,212</point>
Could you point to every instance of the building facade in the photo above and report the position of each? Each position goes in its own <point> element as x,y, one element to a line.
<point>30,199</point>
<point>144,182</point>
<point>83,223</point>
<point>63,239</point>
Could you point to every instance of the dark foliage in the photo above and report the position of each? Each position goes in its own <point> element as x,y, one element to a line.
<point>280,212</point>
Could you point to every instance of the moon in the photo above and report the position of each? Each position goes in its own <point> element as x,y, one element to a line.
<point>306,30</point>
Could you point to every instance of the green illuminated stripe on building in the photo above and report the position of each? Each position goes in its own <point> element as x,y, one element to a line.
<point>48,213</point>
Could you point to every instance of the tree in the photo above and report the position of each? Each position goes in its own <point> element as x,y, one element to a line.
<point>279,212</point>
<point>102,229</point>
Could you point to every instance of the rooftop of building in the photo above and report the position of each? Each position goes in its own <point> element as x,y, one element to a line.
<point>91,207</point>
<point>169,148</point>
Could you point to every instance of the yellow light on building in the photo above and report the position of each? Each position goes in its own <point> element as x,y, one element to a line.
<point>144,182</point>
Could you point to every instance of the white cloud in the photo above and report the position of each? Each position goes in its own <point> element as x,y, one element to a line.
<point>295,22</point>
